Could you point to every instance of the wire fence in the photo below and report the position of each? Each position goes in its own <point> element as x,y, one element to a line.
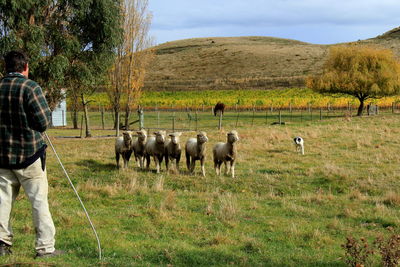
<point>204,119</point>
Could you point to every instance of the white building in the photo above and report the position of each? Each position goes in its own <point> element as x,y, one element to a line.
<point>59,114</point>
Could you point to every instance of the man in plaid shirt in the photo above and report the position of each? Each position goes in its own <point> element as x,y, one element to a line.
<point>24,116</point>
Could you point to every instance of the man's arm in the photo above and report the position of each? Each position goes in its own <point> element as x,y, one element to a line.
<point>40,114</point>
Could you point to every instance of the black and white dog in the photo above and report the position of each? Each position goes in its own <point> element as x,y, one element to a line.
<point>299,143</point>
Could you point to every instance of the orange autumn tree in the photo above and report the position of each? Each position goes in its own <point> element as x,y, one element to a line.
<point>359,71</point>
<point>126,77</point>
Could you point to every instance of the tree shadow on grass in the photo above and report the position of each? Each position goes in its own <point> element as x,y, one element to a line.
<point>97,165</point>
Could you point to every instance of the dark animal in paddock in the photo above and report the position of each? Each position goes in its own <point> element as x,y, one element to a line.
<point>219,107</point>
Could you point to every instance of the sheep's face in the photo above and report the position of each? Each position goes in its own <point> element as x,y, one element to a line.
<point>127,138</point>
<point>175,138</point>
<point>202,137</point>
<point>232,137</point>
<point>142,135</point>
<point>160,137</point>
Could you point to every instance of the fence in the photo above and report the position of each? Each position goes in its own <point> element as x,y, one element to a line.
<point>197,119</point>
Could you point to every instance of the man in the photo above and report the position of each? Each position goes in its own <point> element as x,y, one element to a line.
<point>24,116</point>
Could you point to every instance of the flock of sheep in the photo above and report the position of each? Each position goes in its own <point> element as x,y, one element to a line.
<point>158,147</point>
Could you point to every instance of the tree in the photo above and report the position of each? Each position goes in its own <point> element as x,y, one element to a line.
<point>60,37</point>
<point>360,71</point>
<point>133,57</point>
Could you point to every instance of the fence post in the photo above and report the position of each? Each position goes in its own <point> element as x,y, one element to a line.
<point>301,115</point>
<point>320,114</point>
<point>237,119</point>
<point>220,120</point>
<point>252,119</point>
<point>173,122</point>
<point>102,117</point>
<point>62,114</point>
<point>266,116</point>
<point>311,110</point>
<point>392,107</point>
<point>141,117</point>
<point>280,117</point>
<point>196,119</point>
<point>117,128</point>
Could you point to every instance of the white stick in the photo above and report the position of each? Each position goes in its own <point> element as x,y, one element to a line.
<point>76,192</point>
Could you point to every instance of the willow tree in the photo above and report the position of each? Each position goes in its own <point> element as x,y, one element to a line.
<point>133,57</point>
<point>59,36</point>
<point>359,71</point>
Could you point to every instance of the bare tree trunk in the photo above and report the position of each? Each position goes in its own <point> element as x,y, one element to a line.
<point>127,114</point>
<point>116,119</point>
<point>86,114</point>
<point>360,107</point>
<point>75,118</point>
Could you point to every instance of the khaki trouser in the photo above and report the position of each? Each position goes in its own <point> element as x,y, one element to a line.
<point>34,181</point>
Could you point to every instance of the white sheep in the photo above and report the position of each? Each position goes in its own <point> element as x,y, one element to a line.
<point>226,152</point>
<point>123,146</point>
<point>155,147</point>
<point>138,147</point>
<point>173,150</point>
<point>299,144</point>
<point>195,149</point>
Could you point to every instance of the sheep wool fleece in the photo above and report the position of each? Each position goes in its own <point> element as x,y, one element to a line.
<point>33,179</point>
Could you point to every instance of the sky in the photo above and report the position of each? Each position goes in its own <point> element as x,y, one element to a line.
<point>312,21</point>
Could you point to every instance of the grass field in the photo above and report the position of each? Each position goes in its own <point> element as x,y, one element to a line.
<point>283,209</point>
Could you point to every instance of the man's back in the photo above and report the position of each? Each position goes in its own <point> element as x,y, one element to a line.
<point>24,114</point>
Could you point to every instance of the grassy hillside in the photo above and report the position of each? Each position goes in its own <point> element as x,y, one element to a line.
<point>242,62</point>
<point>283,209</point>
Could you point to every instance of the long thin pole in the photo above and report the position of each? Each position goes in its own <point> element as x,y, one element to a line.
<point>76,192</point>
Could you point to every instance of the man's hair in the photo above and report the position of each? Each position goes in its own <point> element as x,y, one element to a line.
<point>15,61</point>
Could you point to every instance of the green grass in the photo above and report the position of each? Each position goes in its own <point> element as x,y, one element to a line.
<point>283,209</point>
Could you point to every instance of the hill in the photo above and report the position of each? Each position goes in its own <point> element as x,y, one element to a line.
<point>242,62</point>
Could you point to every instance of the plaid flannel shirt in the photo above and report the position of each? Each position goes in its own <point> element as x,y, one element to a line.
<point>24,115</point>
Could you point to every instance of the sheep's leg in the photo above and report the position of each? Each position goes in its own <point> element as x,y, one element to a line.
<point>216,167</point>
<point>302,150</point>
<point>203,170</point>
<point>158,159</point>
<point>141,161</point>
<point>167,162</point>
<point>226,168</point>
<point>137,160</point>
<point>157,162</point>
<point>127,156</point>
<point>188,161</point>
<point>147,162</point>
<point>177,163</point>
<point>233,168</point>
<point>192,166</point>
<point>117,159</point>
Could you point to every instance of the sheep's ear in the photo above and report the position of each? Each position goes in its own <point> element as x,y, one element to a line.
<point>155,133</point>
<point>178,133</point>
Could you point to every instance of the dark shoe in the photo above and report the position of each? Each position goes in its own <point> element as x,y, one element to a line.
<point>4,249</point>
<point>55,253</point>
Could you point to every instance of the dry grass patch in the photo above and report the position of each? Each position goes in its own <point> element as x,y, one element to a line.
<point>319,197</point>
<point>392,199</point>
<point>228,208</point>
